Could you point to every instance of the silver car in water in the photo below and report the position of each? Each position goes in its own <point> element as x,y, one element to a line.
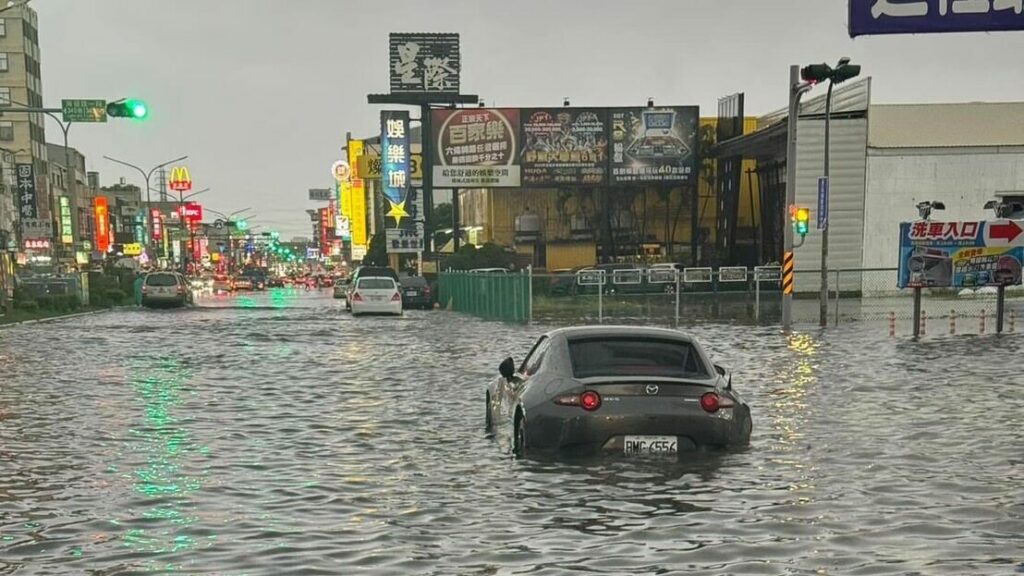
<point>616,390</point>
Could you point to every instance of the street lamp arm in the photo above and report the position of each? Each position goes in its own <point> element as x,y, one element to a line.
<point>123,163</point>
<point>159,166</point>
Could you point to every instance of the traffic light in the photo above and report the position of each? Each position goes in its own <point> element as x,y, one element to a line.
<point>241,224</point>
<point>845,72</point>
<point>816,73</point>
<point>129,108</point>
<point>801,220</point>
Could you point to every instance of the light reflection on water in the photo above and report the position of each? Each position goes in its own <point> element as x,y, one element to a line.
<point>275,434</point>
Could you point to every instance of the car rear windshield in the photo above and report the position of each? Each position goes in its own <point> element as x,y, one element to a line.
<point>161,280</point>
<point>414,282</point>
<point>635,357</point>
<point>376,283</point>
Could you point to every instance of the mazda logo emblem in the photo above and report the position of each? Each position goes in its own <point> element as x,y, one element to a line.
<point>652,389</point>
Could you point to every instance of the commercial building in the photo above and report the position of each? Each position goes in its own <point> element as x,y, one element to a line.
<point>21,134</point>
<point>885,158</point>
<point>70,190</point>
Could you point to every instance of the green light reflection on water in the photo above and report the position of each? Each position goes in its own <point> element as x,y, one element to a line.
<point>159,384</point>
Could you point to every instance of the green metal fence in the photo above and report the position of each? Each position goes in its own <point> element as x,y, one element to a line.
<point>504,297</point>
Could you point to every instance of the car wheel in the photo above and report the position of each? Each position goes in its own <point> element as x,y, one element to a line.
<point>488,419</point>
<point>519,437</point>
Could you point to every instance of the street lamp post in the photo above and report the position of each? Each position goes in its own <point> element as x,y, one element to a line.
<point>185,225</point>
<point>146,176</point>
<point>818,73</point>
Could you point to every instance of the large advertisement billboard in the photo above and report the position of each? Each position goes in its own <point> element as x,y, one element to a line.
<point>564,146</point>
<point>653,144</point>
<point>476,148</point>
<point>919,16</point>
<point>960,254</point>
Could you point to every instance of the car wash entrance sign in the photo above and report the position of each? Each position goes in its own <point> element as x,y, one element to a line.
<point>960,254</point>
<point>921,16</point>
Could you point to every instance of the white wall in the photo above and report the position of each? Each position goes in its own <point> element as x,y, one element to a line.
<point>962,178</point>
<point>846,197</point>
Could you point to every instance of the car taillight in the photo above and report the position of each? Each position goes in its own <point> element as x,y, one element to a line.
<point>712,402</point>
<point>181,289</point>
<point>356,297</point>
<point>426,290</point>
<point>145,289</point>
<point>588,400</point>
<point>396,298</point>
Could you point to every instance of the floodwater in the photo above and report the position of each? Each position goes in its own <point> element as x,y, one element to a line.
<point>274,434</point>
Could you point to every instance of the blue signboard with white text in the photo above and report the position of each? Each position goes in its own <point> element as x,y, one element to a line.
<point>960,254</point>
<point>869,17</point>
<point>394,153</point>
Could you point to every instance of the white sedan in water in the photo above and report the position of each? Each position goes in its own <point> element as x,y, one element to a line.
<point>376,295</point>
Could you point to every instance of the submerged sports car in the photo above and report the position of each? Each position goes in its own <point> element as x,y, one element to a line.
<point>616,389</point>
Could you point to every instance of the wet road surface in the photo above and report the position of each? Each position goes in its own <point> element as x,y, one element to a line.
<point>274,434</point>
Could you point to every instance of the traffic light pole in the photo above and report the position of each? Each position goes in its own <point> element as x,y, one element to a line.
<point>796,90</point>
<point>823,295</point>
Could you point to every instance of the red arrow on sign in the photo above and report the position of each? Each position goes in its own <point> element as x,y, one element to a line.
<point>1007,231</point>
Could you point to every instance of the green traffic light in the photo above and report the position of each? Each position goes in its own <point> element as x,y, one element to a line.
<point>138,109</point>
<point>242,224</point>
<point>801,228</point>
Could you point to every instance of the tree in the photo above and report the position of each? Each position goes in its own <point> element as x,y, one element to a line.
<point>440,219</point>
<point>377,253</point>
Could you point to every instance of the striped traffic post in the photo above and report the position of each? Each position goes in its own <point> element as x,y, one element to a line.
<point>787,275</point>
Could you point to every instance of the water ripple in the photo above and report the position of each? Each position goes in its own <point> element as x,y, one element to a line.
<point>275,434</point>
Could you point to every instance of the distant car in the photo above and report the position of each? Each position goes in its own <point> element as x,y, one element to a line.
<point>165,289</point>
<point>340,290</point>
<point>375,295</point>
<point>241,283</point>
<point>416,293</point>
<point>221,284</point>
<point>367,271</point>
<point>562,281</point>
<point>619,390</point>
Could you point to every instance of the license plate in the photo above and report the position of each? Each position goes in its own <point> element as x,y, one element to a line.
<point>410,292</point>
<point>377,298</point>
<point>650,445</point>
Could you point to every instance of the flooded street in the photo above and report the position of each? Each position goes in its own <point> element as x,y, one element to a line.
<point>274,434</point>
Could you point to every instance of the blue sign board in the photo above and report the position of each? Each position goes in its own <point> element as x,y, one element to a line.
<point>960,254</point>
<point>922,16</point>
<point>395,174</point>
<point>823,203</point>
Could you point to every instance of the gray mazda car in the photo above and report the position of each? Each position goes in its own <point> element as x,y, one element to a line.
<point>616,390</point>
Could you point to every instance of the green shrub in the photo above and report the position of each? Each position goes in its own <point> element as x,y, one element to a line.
<point>27,305</point>
<point>45,302</point>
<point>114,296</point>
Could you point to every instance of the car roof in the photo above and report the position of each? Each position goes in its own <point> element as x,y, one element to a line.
<point>624,331</point>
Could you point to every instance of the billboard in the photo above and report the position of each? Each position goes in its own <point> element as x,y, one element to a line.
<point>653,144</point>
<point>475,148</point>
<point>66,232</point>
<point>424,63</point>
<point>27,191</point>
<point>564,146</point>
<point>922,16</point>
<point>357,197</point>
<point>960,254</point>
<point>395,175</point>
<point>408,239</point>
<point>101,212</point>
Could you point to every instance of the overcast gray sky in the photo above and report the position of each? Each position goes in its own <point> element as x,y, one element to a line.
<point>260,93</point>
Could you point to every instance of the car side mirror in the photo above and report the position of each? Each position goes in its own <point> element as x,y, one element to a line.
<point>507,368</point>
